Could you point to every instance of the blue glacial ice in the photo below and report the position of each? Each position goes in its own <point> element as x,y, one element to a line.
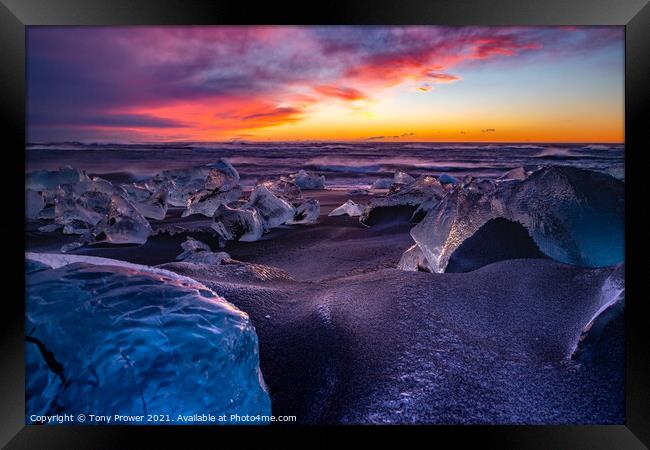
<point>41,180</point>
<point>107,337</point>
<point>575,216</point>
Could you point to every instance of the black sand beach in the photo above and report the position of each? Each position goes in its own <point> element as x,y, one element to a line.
<point>347,338</point>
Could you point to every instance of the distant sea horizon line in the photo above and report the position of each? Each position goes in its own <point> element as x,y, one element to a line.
<point>304,141</point>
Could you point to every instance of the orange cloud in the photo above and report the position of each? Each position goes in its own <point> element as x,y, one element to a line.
<point>341,92</point>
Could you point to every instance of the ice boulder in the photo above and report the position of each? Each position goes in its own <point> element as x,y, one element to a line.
<point>273,210</point>
<point>199,252</point>
<point>155,205</point>
<point>41,180</point>
<point>575,216</point>
<point>283,188</point>
<point>122,224</point>
<point>238,224</point>
<point>307,212</point>
<point>350,208</point>
<point>424,192</point>
<point>198,182</point>
<point>79,215</point>
<point>154,343</point>
<point>221,176</point>
<point>308,180</point>
<point>402,178</point>
<point>136,192</point>
<point>206,202</point>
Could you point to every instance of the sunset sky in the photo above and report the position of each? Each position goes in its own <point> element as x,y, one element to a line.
<point>136,84</point>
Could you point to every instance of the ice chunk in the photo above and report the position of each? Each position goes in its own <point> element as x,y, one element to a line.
<point>447,179</point>
<point>154,342</point>
<point>426,189</point>
<point>308,180</point>
<point>192,245</point>
<point>206,202</point>
<point>350,208</point>
<point>78,216</point>
<point>575,216</point>
<point>307,212</point>
<point>197,181</point>
<point>402,178</point>
<point>283,188</point>
<point>34,204</point>
<point>413,260</point>
<point>123,224</point>
<point>382,183</point>
<point>101,185</point>
<point>273,210</point>
<point>199,252</point>
<point>518,173</point>
<point>155,207</point>
<point>137,192</point>
<point>222,176</point>
<point>238,224</point>
<point>45,179</point>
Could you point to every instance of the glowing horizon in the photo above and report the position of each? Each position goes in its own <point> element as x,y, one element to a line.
<point>353,83</point>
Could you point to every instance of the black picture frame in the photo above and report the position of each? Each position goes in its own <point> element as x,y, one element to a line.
<point>15,15</point>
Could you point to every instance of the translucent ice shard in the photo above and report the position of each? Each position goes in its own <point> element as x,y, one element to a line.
<point>350,208</point>
<point>155,206</point>
<point>283,188</point>
<point>222,176</point>
<point>307,212</point>
<point>136,192</point>
<point>308,180</point>
<point>575,216</point>
<point>273,210</point>
<point>49,179</point>
<point>197,182</point>
<point>122,224</point>
<point>206,202</point>
<point>238,224</point>
<point>79,215</point>
<point>155,342</point>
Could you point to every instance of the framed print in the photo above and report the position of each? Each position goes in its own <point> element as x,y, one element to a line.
<point>359,219</point>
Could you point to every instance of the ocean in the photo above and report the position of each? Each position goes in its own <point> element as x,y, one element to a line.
<point>343,164</point>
